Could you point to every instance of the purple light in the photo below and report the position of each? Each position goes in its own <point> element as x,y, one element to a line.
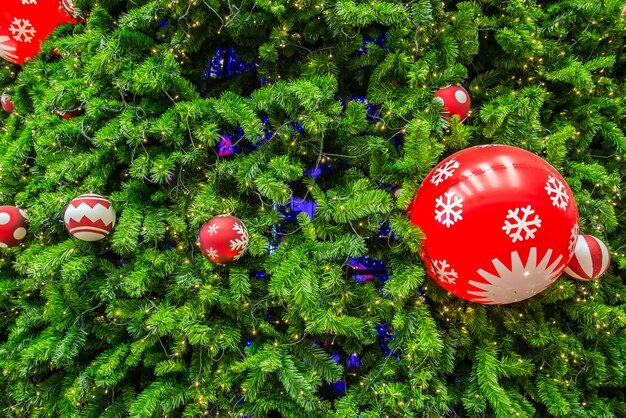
<point>226,147</point>
<point>307,206</point>
<point>339,385</point>
<point>352,362</point>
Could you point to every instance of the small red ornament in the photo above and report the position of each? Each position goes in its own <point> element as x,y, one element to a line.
<point>500,224</point>
<point>591,259</point>
<point>223,239</point>
<point>13,225</point>
<point>455,101</point>
<point>70,114</point>
<point>89,217</point>
<point>24,24</point>
<point>7,103</point>
<point>68,5</point>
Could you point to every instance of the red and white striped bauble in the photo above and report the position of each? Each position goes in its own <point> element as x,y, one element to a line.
<point>68,5</point>
<point>591,259</point>
<point>89,217</point>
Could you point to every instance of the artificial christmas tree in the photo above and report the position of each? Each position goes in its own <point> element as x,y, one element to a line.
<point>328,106</point>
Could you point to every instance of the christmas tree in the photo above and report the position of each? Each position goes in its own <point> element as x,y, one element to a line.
<point>301,118</point>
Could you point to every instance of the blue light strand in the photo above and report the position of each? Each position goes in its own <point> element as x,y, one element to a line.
<point>362,269</point>
<point>225,64</point>
<point>380,42</point>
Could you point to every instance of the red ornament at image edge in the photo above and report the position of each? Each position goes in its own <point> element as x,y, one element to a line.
<point>455,101</point>
<point>25,24</point>
<point>13,226</point>
<point>68,5</point>
<point>89,217</point>
<point>7,103</point>
<point>591,259</point>
<point>500,224</point>
<point>223,239</point>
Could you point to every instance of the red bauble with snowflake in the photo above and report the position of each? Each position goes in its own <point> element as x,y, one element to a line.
<point>223,239</point>
<point>13,226</point>
<point>24,24</point>
<point>90,217</point>
<point>455,101</point>
<point>500,224</point>
<point>7,103</point>
<point>591,259</point>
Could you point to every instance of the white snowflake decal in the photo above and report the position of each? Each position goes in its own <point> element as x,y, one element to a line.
<point>444,172</point>
<point>211,253</point>
<point>212,229</point>
<point>29,1</point>
<point>521,224</point>
<point>444,272</point>
<point>6,51</point>
<point>22,30</point>
<point>451,208</point>
<point>519,282</point>
<point>241,243</point>
<point>556,191</point>
<point>573,238</point>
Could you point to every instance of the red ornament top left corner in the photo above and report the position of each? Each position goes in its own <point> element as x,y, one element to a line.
<point>25,24</point>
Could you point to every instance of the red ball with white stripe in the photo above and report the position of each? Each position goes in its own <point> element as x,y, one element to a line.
<point>68,5</point>
<point>7,103</point>
<point>223,239</point>
<point>13,225</point>
<point>455,101</point>
<point>591,259</point>
<point>90,217</point>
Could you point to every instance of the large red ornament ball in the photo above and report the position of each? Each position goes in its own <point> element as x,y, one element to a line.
<point>7,103</point>
<point>13,226</point>
<point>591,259</point>
<point>500,224</point>
<point>223,239</point>
<point>455,101</point>
<point>90,217</point>
<point>24,24</point>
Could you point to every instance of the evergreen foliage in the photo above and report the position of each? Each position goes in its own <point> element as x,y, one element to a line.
<point>141,324</point>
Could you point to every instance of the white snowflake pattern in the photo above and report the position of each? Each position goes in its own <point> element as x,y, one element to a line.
<point>521,224</point>
<point>451,208</point>
<point>444,272</point>
<point>241,243</point>
<point>520,281</point>
<point>29,1</point>
<point>211,253</point>
<point>22,30</point>
<point>556,191</point>
<point>212,229</point>
<point>444,172</point>
<point>573,238</point>
<point>7,51</point>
